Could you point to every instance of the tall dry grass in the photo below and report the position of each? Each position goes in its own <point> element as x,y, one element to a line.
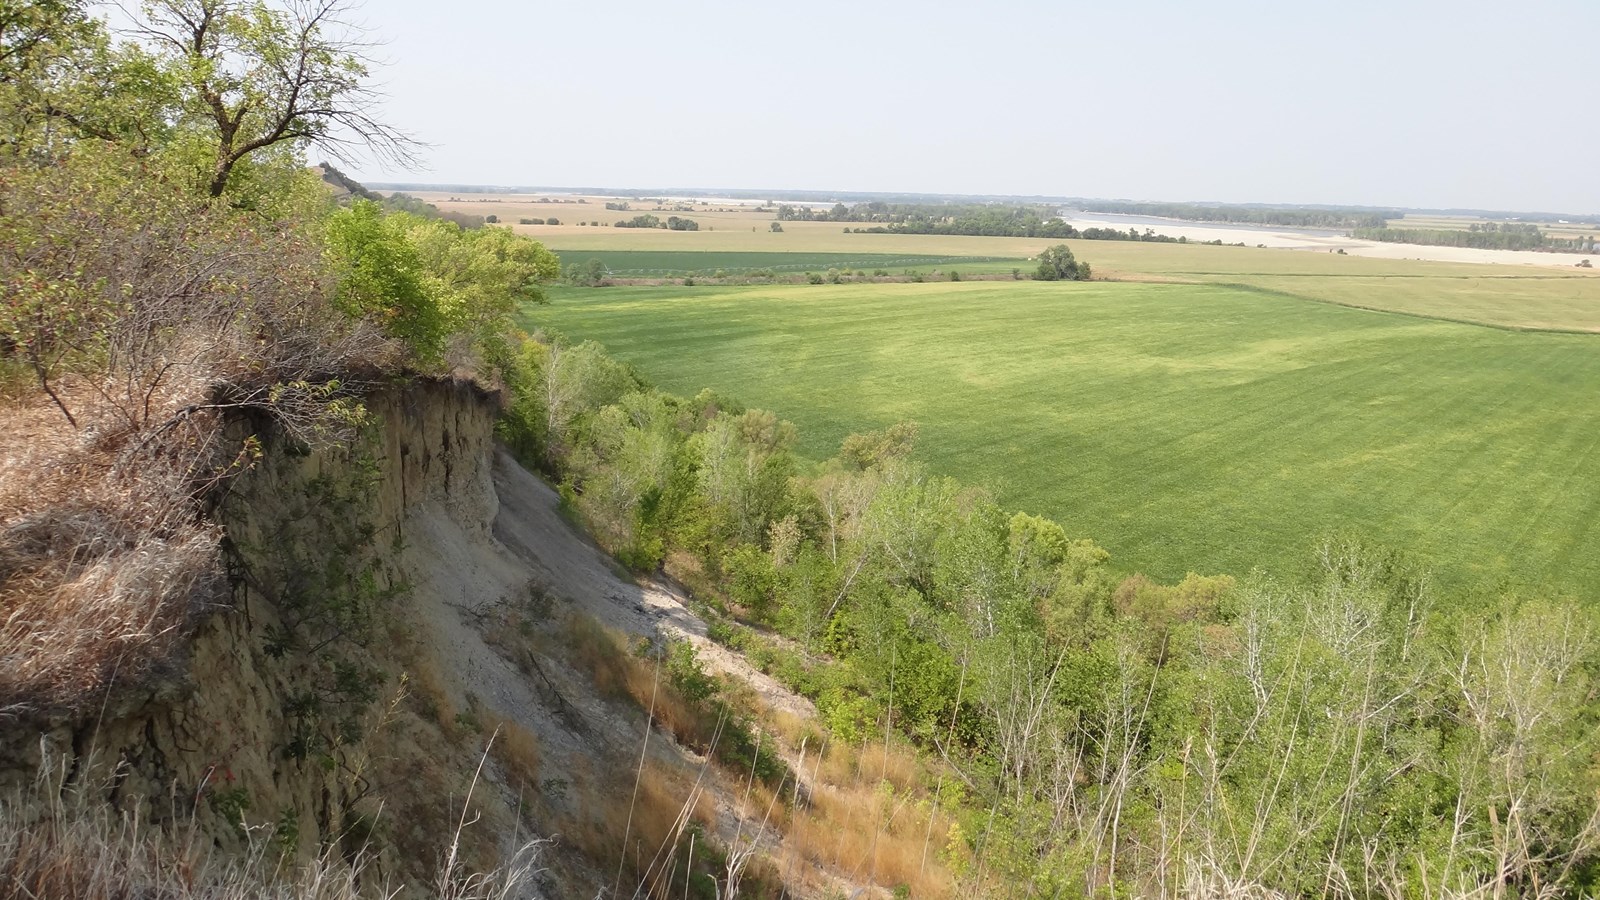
<point>101,566</point>
<point>59,844</point>
<point>619,674</point>
<point>871,819</point>
<point>863,814</point>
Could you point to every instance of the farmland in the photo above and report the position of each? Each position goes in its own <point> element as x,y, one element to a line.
<point>1502,296</point>
<point>1184,426</point>
<point>666,263</point>
<point>1209,407</point>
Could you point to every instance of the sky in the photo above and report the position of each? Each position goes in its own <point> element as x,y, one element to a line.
<point>1415,103</point>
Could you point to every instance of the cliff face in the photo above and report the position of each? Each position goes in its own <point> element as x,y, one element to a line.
<point>409,636</point>
<point>284,711</point>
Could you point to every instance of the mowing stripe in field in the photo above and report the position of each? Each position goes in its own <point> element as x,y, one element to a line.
<point>1185,427</point>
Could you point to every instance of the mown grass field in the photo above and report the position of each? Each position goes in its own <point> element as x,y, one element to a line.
<point>1184,426</point>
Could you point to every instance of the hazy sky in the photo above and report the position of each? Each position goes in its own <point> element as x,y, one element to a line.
<point>1436,104</point>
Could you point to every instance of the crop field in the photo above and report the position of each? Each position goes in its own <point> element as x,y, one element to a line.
<point>1519,301</point>
<point>1183,426</point>
<point>1503,296</point>
<point>659,263</point>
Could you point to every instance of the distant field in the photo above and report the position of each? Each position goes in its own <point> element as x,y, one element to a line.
<point>1186,427</point>
<point>657,263</point>
<point>1503,296</point>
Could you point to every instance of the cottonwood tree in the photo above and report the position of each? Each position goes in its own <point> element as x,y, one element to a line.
<point>256,77</point>
<point>1058,264</point>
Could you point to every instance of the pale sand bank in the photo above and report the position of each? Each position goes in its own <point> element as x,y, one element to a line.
<point>1328,241</point>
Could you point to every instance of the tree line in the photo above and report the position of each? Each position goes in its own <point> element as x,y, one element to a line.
<point>938,218</point>
<point>1333,217</point>
<point>1485,236</point>
<point>975,219</point>
<point>649,220</point>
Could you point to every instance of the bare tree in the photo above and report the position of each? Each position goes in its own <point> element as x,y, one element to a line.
<point>259,77</point>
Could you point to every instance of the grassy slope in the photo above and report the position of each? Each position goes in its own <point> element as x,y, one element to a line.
<point>1183,426</point>
<point>1524,301</point>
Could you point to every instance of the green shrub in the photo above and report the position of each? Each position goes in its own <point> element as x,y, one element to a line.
<point>381,275</point>
<point>687,675</point>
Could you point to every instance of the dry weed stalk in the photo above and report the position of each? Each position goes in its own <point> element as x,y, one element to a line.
<point>63,841</point>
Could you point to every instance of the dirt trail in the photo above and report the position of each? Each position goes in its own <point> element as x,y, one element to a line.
<point>530,525</point>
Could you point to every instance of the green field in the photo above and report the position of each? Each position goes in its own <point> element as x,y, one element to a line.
<point>1521,301</point>
<point>1503,296</point>
<point>1185,427</point>
<point>661,263</point>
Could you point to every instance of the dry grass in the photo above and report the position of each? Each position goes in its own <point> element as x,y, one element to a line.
<point>619,674</point>
<point>872,816</point>
<point>868,814</point>
<point>429,693</point>
<point>516,751</point>
<point>591,648</point>
<point>895,764</point>
<point>671,797</point>
<point>79,848</point>
<point>101,564</point>
<point>93,857</point>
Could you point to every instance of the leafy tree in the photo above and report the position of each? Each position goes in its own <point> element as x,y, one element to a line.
<point>381,274</point>
<point>777,228</point>
<point>589,273</point>
<point>1058,264</point>
<point>876,448</point>
<point>481,276</point>
<point>744,469</point>
<point>253,77</point>
<point>62,80</point>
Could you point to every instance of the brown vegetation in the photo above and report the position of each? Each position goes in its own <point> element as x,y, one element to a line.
<point>866,814</point>
<point>139,322</point>
<point>57,840</point>
<point>101,564</point>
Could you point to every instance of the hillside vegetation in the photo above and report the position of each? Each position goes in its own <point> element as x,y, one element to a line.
<point>1187,428</point>
<point>1339,733</point>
